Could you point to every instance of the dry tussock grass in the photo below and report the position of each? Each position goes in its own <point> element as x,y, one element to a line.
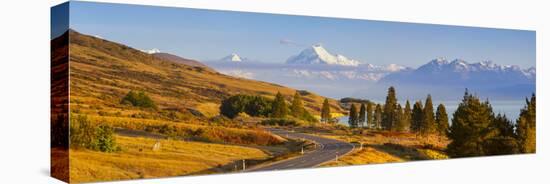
<point>138,160</point>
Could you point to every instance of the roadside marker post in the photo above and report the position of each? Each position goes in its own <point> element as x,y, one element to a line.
<point>244,165</point>
<point>302,150</point>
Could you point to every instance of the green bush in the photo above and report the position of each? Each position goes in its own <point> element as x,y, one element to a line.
<point>84,135</point>
<point>81,132</point>
<point>138,99</point>
<point>104,139</point>
<point>251,105</point>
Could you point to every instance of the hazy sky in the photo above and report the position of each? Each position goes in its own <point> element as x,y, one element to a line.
<point>208,35</point>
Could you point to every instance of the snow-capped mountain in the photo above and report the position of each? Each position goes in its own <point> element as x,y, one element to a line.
<point>316,54</point>
<point>440,71</point>
<point>232,58</point>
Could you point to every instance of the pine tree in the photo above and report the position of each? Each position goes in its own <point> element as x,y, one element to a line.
<point>377,119</point>
<point>417,117</point>
<point>500,138</point>
<point>297,107</point>
<point>389,115</point>
<point>504,126</point>
<point>325,112</point>
<point>353,116</point>
<point>407,117</point>
<point>470,128</point>
<point>401,124</point>
<point>442,120</point>
<point>369,115</point>
<point>279,108</point>
<point>428,126</point>
<point>526,127</point>
<point>362,114</point>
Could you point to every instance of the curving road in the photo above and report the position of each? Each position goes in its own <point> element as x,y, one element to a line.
<point>327,149</point>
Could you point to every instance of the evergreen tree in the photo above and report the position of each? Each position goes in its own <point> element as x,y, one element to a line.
<point>369,115</point>
<point>325,111</point>
<point>471,128</point>
<point>377,119</point>
<point>353,116</point>
<point>279,108</point>
<point>362,114</point>
<point>442,120</point>
<point>257,106</point>
<point>407,117</point>
<point>389,115</point>
<point>428,126</point>
<point>526,127</point>
<point>297,107</point>
<point>401,124</point>
<point>504,126</point>
<point>500,138</point>
<point>417,117</point>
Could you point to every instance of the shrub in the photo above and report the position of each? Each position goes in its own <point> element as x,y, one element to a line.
<point>84,135</point>
<point>138,99</point>
<point>251,105</point>
<point>104,139</point>
<point>81,132</point>
<point>170,131</point>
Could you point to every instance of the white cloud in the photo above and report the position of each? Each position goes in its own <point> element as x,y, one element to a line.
<point>239,73</point>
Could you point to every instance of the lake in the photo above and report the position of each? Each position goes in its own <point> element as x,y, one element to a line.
<point>510,108</point>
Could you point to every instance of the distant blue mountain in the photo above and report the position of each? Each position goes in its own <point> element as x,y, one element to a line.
<point>485,76</point>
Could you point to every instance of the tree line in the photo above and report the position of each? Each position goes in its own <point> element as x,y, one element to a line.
<point>259,106</point>
<point>475,129</point>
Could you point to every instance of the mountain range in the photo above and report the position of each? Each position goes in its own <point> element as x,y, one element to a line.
<point>440,71</point>
<point>317,69</point>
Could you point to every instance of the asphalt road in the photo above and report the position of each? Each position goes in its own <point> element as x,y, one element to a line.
<point>327,149</point>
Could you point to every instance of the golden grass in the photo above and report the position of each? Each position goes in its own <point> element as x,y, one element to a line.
<point>367,155</point>
<point>174,158</point>
<point>209,109</point>
<point>433,154</point>
<point>383,146</point>
<point>219,134</point>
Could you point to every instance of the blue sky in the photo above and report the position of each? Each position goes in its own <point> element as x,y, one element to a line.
<point>208,35</point>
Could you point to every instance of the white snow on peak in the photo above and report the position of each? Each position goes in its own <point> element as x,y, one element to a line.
<point>440,61</point>
<point>235,58</point>
<point>316,54</point>
<point>459,65</point>
<point>232,58</point>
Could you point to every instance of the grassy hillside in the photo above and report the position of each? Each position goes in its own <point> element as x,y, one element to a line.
<point>138,160</point>
<point>102,72</point>
<point>187,97</point>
